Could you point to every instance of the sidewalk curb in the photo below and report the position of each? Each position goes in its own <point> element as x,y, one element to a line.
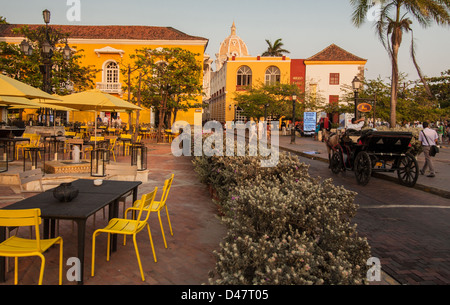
<point>418,186</point>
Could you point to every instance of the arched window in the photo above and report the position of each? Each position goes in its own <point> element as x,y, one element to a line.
<point>272,75</point>
<point>111,72</point>
<point>244,76</point>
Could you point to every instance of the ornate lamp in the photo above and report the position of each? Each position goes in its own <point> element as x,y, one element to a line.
<point>139,156</point>
<point>356,84</point>
<point>99,158</point>
<point>3,158</point>
<point>46,15</point>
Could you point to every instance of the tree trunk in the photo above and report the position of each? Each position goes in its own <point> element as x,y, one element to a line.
<point>162,114</point>
<point>396,41</point>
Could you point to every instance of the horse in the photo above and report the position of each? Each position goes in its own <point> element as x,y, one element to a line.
<point>331,140</point>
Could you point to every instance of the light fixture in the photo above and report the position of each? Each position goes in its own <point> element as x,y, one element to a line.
<point>67,51</point>
<point>356,84</point>
<point>46,15</point>
<point>139,156</point>
<point>46,47</point>
<point>26,48</point>
<point>99,158</point>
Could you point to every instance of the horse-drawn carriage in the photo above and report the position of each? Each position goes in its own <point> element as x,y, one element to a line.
<point>368,151</point>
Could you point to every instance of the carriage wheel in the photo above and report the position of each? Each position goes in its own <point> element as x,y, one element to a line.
<point>408,170</point>
<point>363,168</point>
<point>336,162</point>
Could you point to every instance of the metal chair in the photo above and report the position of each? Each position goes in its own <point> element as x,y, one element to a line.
<point>127,227</point>
<point>20,247</point>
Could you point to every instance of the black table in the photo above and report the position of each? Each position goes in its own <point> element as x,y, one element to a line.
<point>55,140</point>
<point>90,199</point>
<point>11,142</point>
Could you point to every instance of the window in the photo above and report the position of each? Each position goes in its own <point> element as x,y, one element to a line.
<point>111,72</point>
<point>334,99</point>
<point>272,75</point>
<point>334,78</point>
<point>244,76</point>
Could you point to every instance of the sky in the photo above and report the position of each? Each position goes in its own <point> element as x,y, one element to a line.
<point>305,27</point>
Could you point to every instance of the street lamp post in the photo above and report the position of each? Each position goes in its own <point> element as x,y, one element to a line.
<point>294,98</point>
<point>46,49</point>
<point>356,84</point>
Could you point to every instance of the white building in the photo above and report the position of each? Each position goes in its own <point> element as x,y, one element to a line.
<point>330,72</point>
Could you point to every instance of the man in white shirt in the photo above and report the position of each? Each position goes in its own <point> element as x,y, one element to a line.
<point>356,124</point>
<point>427,138</point>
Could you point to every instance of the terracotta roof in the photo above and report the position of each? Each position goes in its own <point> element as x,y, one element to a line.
<point>335,53</point>
<point>110,32</point>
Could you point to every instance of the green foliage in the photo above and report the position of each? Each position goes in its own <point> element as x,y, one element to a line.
<point>67,75</point>
<point>413,103</point>
<point>284,227</point>
<point>277,97</point>
<point>170,80</point>
<point>275,49</point>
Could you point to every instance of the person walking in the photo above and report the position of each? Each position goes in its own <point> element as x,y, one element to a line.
<point>440,132</point>
<point>427,138</point>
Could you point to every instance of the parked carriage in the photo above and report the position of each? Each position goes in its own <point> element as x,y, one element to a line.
<point>369,151</point>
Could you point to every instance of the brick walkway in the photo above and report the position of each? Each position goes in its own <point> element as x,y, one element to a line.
<point>186,261</point>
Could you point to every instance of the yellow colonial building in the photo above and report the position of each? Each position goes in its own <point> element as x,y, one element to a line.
<point>235,71</point>
<point>108,48</point>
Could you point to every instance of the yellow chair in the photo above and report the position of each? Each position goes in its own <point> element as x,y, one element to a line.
<point>90,148</point>
<point>34,142</point>
<point>129,144</point>
<point>122,143</point>
<point>22,145</point>
<point>127,227</point>
<point>112,146</point>
<point>157,206</point>
<point>20,247</point>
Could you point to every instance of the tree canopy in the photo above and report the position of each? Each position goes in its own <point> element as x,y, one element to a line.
<point>168,79</point>
<point>68,75</point>
<point>275,49</point>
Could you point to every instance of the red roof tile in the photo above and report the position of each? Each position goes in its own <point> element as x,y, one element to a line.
<point>110,32</point>
<point>335,53</point>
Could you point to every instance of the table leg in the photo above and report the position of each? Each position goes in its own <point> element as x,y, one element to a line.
<point>81,225</point>
<point>114,213</point>
<point>46,228</point>
<point>2,258</point>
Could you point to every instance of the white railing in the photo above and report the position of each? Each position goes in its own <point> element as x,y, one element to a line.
<point>110,87</point>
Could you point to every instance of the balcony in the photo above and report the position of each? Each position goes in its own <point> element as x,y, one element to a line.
<point>243,87</point>
<point>110,87</point>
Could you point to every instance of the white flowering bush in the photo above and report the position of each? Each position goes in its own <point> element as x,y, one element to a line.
<point>284,227</point>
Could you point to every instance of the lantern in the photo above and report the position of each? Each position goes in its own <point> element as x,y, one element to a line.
<point>99,158</point>
<point>4,158</point>
<point>139,156</point>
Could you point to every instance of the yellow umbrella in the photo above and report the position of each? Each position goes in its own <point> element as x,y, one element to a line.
<point>95,100</point>
<point>15,100</point>
<point>12,87</point>
<point>34,105</point>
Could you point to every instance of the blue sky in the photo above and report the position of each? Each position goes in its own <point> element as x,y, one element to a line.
<point>306,27</point>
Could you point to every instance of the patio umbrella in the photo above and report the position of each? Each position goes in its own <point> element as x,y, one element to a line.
<point>12,87</point>
<point>94,100</point>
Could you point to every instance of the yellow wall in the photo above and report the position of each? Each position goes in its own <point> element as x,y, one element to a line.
<point>91,58</point>
<point>258,65</point>
<point>128,46</point>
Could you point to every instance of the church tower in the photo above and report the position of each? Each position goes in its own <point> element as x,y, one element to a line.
<point>233,45</point>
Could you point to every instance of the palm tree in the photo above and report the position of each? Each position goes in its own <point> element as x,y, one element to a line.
<point>393,22</point>
<point>275,49</point>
